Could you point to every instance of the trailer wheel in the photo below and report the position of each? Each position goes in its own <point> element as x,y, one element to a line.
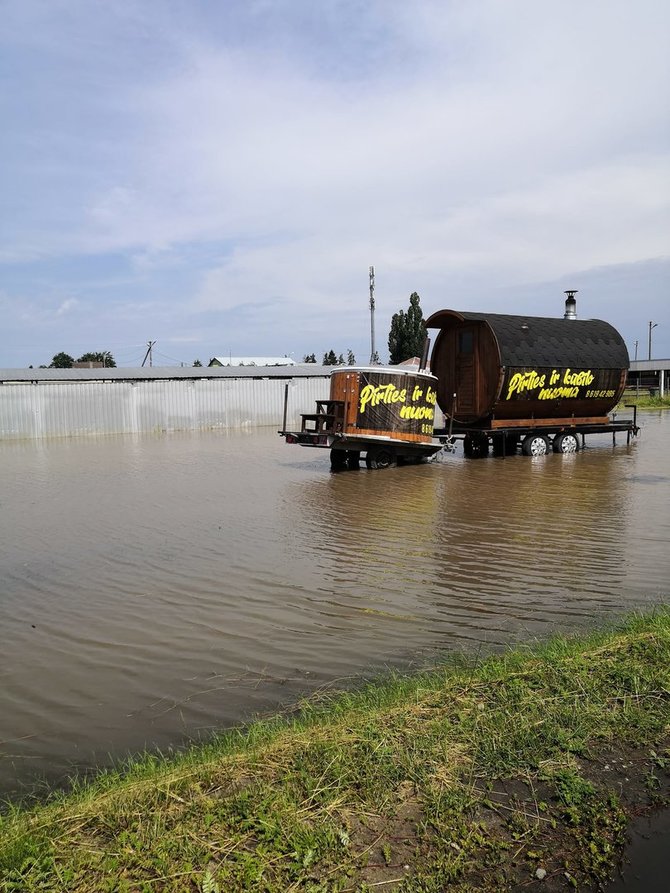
<point>338,460</point>
<point>535,445</point>
<point>566,443</point>
<point>381,457</point>
<point>476,446</point>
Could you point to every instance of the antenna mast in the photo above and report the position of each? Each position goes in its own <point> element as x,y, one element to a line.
<point>373,352</point>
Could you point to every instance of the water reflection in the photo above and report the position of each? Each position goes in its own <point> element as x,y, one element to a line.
<point>156,588</point>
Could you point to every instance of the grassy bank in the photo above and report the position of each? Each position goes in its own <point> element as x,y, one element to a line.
<point>518,769</point>
<point>643,400</point>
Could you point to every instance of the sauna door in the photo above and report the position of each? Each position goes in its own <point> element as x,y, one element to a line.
<point>465,372</point>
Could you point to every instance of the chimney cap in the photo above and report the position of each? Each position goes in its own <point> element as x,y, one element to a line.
<point>570,304</point>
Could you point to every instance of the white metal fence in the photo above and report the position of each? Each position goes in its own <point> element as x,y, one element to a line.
<point>35,410</point>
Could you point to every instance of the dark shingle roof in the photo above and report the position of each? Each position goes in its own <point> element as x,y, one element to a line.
<point>546,341</point>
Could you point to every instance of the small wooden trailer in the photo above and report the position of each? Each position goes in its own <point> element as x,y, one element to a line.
<point>385,413</point>
<point>535,382</point>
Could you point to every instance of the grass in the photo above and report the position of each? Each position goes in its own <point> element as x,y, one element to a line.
<point>475,775</point>
<point>643,400</point>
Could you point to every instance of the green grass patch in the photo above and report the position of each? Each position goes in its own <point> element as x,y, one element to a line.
<point>473,774</point>
<point>644,400</point>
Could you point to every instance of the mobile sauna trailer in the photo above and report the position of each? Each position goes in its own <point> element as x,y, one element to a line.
<point>386,413</point>
<point>535,381</point>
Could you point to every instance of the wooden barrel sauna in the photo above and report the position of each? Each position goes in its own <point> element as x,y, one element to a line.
<point>499,370</point>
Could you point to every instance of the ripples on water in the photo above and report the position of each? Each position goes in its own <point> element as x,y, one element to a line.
<point>156,588</point>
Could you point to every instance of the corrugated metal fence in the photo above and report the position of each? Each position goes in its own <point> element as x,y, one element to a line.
<point>35,410</point>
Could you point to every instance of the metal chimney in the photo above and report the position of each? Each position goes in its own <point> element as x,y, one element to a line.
<point>570,305</point>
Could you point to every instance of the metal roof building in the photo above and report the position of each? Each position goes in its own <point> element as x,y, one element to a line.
<point>252,361</point>
<point>44,403</point>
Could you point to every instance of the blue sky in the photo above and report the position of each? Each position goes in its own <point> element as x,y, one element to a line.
<point>219,176</point>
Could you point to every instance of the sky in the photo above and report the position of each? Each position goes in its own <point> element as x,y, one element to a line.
<point>218,177</point>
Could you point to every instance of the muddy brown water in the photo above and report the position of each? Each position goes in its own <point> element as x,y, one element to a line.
<point>154,589</point>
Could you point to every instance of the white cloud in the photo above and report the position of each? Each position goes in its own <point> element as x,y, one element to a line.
<point>66,307</point>
<point>499,141</point>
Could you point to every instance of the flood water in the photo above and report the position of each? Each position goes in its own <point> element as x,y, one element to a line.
<point>153,589</point>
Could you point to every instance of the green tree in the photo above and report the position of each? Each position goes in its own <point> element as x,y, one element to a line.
<point>330,358</point>
<point>61,361</point>
<point>197,363</point>
<point>101,356</point>
<point>340,360</point>
<point>351,359</point>
<point>408,333</point>
<point>309,358</point>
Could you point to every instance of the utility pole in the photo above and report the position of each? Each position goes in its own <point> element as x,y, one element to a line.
<point>149,353</point>
<point>652,325</point>
<point>636,344</point>
<point>373,353</point>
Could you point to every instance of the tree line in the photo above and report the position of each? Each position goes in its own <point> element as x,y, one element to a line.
<point>63,360</point>
<point>330,358</point>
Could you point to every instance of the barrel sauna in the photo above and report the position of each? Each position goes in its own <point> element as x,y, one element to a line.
<point>496,370</point>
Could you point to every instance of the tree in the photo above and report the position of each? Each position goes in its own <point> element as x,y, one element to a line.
<point>309,358</point>
<point>101,356</point>
<point>340,360</point>
<point>408,333</point>
<point>61,361</point>
<point>330,358</point>
<point>197,363</point>
<point>351,359</point>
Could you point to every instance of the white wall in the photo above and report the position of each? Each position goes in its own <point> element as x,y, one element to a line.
<point>57,409</point>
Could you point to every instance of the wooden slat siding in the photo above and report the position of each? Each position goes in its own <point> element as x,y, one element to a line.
<point>560,422</point>
<point>345,386</point>
<point>622,384</point>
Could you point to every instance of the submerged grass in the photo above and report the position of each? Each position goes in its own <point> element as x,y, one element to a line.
<point>471,775</point>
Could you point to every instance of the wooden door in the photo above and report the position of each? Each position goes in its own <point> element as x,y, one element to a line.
<point>466,372</point>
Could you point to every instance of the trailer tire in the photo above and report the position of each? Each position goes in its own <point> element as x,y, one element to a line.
<point>535,445</point>
<point>476,446</point>
<point>566,443</point>
<point>380,458</point>
<point>338,460</point>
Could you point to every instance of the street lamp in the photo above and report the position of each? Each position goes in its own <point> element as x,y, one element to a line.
<point>652,325</point>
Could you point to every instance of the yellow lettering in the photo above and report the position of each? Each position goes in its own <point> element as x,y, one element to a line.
<point>365,397</point>
<point>383,393</point>
<point>524,381</point>
<point>578,378</point>
<point>417,412</point>
<point>558,393</point>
